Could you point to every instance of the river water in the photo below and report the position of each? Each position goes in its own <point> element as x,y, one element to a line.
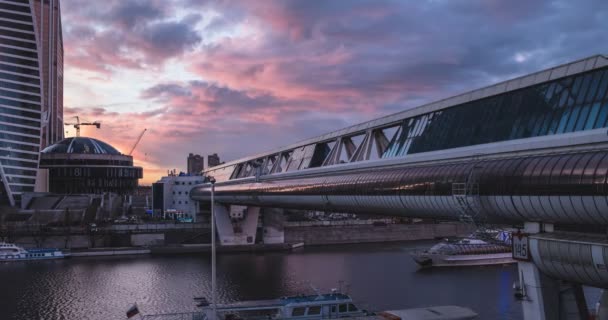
<point>378,276</point>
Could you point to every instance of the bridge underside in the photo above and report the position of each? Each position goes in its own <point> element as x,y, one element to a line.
<point>568,188</point>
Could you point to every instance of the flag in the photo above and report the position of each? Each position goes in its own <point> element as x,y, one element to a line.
<point>132,311</point>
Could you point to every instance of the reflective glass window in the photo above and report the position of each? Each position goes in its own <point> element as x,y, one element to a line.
<point>19,70</point>
<point>15,129</point>
<point>17,163</point>
<point>540,119</point>
<point>17,52</point>
<point>15,60</point>
<point>590,97</point>
<point>12,16</point>
<point>580,97</point>
<point>564,120</point>
<point>595,109</point>
<point>19,95</point>
<point>18,35</point>
<point>16,43</point>
<point>582,118</point>
<point>298,312</point>
<point>544,129</point>
<point>14,77</point>
<point>601,118</point>
<point>572,120</point>
<point>555,121</point>
<point>601,91</point>
<point>15,25</point>
<point>14,7</point>
<point>576,86</point>
<point>19,86</point>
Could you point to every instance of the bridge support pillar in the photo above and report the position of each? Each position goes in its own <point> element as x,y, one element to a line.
<point>236,225</point>
<point>273,220</point>
<point>546,298</point>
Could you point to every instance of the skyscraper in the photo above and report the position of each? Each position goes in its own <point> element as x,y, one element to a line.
<point>196,163</point>
<point>213,160</point>
<point>31,90</point>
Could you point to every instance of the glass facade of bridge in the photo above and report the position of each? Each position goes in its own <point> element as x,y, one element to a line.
<point>570,104</point>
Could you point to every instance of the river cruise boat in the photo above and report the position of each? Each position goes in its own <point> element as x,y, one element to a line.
<point>465,252</point>
<point>311,307</point>
<point>12,252</point>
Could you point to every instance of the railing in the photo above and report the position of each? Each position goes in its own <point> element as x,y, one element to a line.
<point>337,223</point>
<point>176,316</point>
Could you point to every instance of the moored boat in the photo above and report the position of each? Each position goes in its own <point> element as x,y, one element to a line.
<point>12,252</point>
<point>466,252</point>
<point>311,307</point>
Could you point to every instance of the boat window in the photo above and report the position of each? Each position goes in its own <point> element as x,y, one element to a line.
<point>333,309</point>
<point>352,307</point>
<point>297,312</point>
<point>342,308</point>
<point>314,310</point>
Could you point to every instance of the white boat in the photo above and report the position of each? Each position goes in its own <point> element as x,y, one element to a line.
<point>467,252</point>
<point>12,252</point>
<point>464,252</point>
<point>312,307</point>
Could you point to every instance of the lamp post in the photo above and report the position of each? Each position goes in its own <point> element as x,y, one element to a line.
<point>213,293</point>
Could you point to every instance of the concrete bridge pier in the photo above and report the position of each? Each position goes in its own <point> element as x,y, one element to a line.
<point>544,297</point>
<point>236,225</point>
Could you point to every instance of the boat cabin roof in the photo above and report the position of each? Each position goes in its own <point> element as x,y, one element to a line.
<point>286,301</point>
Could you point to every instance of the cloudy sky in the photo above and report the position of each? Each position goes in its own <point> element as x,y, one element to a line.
<point>241,77</point>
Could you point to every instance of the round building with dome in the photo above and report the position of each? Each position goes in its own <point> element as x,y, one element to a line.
<point>86,165</point>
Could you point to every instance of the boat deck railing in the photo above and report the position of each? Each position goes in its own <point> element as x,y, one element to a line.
<point>175,316</point>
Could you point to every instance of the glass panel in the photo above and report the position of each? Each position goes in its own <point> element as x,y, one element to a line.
<point>580,97</point>
<point>563,99</point>
<point>544,129</point>
<point>538,124</point>
<point>314,310</point>
<point>297,312</point>
<point>593,88</point>
<point>592,116</point>
<point>563,121</point>
<point>601,118</point>
<point>572,120</point>
<point>582,118</point>
<point>601,91</point>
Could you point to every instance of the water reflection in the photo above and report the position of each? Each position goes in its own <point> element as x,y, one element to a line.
<point>380,277</point>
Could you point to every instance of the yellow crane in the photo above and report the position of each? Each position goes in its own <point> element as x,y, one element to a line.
<point>78,124</point>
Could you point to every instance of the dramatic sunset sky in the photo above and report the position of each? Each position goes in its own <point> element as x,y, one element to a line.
<point>241,77</point>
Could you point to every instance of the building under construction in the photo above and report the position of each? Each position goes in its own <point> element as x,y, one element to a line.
<point>88,166</point>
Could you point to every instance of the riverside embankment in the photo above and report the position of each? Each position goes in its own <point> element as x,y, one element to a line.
<point>164,238</point>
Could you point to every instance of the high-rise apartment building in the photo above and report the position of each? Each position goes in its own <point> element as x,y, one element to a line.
<point>213,160</point>
<point>48,20</point>
<point>31,90</point>
<point>196,163</point>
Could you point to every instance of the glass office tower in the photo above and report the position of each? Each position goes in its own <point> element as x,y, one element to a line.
<point>31,90</point>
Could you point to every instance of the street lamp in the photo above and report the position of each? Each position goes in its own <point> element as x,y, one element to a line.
<point>213,293</point>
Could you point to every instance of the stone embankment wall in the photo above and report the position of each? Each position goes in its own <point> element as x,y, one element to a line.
<point>309,233</point>
<point>342,234</point>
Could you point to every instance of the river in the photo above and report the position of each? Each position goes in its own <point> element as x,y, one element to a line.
<point>378,277</point>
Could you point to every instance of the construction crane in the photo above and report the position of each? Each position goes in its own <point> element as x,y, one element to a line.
<point>78,124</point>
<point>137,141</point>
